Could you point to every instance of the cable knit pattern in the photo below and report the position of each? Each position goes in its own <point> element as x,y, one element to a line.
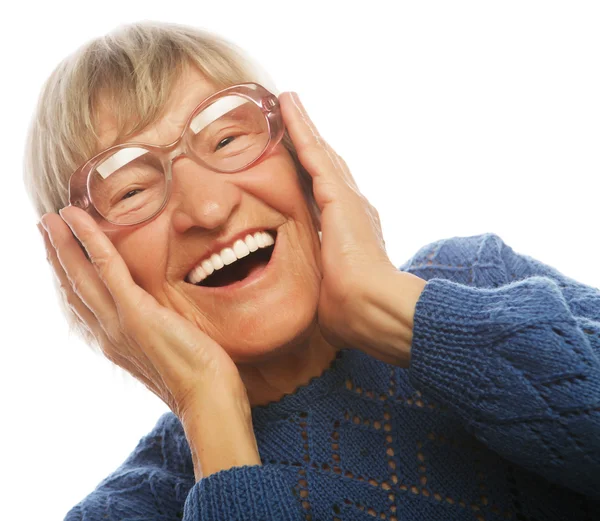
<point>498,416</point>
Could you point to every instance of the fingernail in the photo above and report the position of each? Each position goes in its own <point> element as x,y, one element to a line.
<point>45,238</point>
<point>44,225</point>
<point>66,216</point>
<point>43,222</point>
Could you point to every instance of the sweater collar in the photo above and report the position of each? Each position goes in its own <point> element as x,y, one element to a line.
<point>306,395</point>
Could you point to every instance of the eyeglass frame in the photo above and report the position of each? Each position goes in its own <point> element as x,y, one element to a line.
<point>267,102</point>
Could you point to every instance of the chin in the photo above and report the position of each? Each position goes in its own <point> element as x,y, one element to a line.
<point>260,339</point>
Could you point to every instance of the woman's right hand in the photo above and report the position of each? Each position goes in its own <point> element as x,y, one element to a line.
<point>167,353</point>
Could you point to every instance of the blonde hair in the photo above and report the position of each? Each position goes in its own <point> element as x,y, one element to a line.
<point>132,69</point>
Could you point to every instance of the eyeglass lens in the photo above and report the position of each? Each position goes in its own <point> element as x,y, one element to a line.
<point>130,185</point>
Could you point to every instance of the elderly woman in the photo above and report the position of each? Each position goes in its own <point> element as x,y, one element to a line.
<point>308,378</point>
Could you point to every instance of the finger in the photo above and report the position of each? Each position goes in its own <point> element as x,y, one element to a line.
<point>314,152</point>
<point>346,174</point>
<point>105,259</point>
<point>83,289</point>
<point>82,312</point>
<point>70,263</point>
<point>310,145</point>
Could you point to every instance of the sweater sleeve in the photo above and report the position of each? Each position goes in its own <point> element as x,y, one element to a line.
<point>512,347</point>
<point>248,493</point>
<point>156,483</point>
<point>152,483</point>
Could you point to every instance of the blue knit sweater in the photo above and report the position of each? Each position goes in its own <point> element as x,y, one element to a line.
<point>498,416</point>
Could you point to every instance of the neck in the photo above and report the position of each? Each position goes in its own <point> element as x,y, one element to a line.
<point>268,381</point>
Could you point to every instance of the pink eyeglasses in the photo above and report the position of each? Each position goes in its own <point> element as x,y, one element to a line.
<point>131,183</point>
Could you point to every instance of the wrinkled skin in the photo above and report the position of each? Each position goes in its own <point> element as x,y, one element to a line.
<point>184,342</point>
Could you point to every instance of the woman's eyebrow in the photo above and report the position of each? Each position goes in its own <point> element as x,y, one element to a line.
<point>139,138</point>
<point>208,115</point>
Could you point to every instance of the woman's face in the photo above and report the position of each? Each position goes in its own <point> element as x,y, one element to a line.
<point>205,207</point>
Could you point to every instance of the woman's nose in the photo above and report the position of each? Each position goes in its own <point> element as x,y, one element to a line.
<point>201,197</point>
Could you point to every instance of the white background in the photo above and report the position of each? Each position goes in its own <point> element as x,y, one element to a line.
<point>456,118</point>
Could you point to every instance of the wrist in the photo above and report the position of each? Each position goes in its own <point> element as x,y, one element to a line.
<point>384,324</point>
<point>220,434</point>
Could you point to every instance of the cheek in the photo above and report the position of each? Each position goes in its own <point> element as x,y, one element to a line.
<point>276,183</point>
<point>144,251</point>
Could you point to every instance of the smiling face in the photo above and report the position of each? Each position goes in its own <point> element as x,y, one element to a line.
<point>270,309</point>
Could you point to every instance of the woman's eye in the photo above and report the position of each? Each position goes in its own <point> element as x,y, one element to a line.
<point>225,142</point>
<point>131,193</point>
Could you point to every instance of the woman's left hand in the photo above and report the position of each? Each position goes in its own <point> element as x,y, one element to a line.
<point>354,260</point>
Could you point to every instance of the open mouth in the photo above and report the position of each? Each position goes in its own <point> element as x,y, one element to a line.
<point>240,269</point>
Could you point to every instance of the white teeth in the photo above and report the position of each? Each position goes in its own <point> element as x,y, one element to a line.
<point>228,256</point>
<point>197,274</point>
<point>259,237</point>
<point>208,267</point>
<point>269,241</point>
<point>216,260</point>
<point>251,243</point>
<point>240,249</point>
